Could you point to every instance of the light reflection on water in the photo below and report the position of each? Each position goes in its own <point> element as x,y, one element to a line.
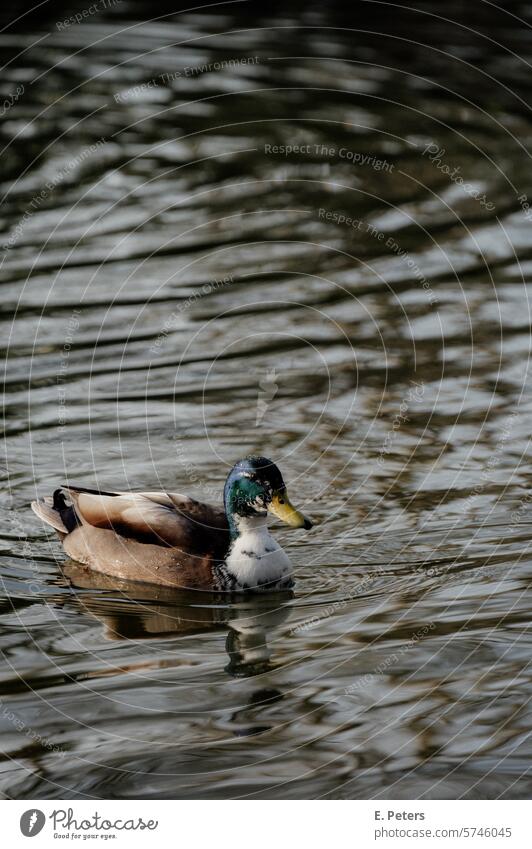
<point>185,292</point>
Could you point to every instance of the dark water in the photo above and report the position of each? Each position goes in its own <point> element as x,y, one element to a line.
<point>177,292</point>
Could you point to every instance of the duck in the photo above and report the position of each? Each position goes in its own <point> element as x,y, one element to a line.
<point>172,540</point>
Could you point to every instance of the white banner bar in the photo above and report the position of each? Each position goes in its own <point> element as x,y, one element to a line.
<point>262,824</point>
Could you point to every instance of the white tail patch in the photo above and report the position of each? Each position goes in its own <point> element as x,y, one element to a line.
<point>47,513</point>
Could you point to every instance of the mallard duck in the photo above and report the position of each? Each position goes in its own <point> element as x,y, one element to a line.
<point>172,540</point>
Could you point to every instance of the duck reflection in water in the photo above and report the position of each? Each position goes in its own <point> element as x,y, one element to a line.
<point>135,611</point>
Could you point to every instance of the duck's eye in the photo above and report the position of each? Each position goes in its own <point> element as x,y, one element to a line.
<point>281,501</point>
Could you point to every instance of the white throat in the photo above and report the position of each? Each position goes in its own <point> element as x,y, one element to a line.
<point>255,558</point>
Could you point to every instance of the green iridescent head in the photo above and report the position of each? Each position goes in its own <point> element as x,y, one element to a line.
<point>255,487</point>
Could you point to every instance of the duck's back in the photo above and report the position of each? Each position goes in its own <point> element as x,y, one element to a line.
<point>156,537</point>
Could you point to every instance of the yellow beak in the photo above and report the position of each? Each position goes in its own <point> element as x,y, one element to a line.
<point>281,507</point>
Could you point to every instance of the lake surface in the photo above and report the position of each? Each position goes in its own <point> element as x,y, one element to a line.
<point>179,289</point>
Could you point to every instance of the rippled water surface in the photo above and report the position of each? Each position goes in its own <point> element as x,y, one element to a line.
<point>180,290</point>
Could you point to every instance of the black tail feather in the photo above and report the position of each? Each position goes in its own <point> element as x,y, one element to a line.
<point>66,511</point>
